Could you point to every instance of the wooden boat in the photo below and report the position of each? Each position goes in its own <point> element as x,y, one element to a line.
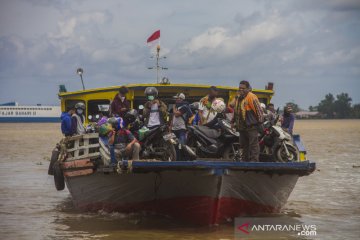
<point>200,192</point>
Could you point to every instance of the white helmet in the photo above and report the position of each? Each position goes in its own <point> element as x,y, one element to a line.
<point>218,105</point>
<point>80,105</point>
<point>262,105</point>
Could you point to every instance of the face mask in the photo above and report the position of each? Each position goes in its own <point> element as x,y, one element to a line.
<point>150,98</point>
<point>79,111</point>
<point>122,98</point>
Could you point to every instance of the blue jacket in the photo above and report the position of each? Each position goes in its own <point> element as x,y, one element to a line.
<point>66,123</point>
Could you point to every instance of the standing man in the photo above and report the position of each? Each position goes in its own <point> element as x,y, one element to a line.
<point>180,118</point>
<point>288,119</point>
<point>66,122</point>
<point>248,116</point>
<point>120,105</point>
<point>155,110</point>
<point>205,112</point>
<point>78,119</point>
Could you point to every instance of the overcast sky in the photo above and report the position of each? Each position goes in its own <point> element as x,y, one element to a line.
<point>307,48</point>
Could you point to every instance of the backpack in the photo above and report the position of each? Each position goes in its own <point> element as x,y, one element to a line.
<point>187,114</point>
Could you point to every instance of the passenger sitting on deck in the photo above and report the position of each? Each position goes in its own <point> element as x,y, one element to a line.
<point>268,115</point>
<point>155,111</point>
<point>66,122</point>
<point>288,119</point>
<point>124,141</point>
<point>120,105</point>
<point>77,119</point>
<point>219,107</point>
<point>271,113</point>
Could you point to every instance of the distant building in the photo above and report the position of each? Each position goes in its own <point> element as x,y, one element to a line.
<point>307,115</point>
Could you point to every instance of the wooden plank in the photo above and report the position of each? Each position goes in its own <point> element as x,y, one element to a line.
<point>104,147</point>
<point>86,143</point>
<point>83,147</point>
<point>91,135</point>
<point>90,155</point>
<point>84,136</point>
<point>83,172</point>
<point>78,163</point>
<point>105,157</point>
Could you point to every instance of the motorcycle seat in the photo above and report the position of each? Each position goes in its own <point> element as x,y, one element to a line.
<point>211,133</point>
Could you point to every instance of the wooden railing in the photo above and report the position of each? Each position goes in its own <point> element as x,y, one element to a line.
<point>82,146</point>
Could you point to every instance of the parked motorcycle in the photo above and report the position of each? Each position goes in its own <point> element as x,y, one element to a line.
<point>157,142</point>
<point>220,141</point>
<point>277,143</point>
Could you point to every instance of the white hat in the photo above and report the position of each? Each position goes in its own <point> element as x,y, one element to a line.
<point>180,95</point>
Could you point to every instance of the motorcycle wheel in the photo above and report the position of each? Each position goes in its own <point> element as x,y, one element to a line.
<point>192,144</point>
<point>169,151</point>
<point>189,153</point>
<point>230,155</point>
<point>281,155</point>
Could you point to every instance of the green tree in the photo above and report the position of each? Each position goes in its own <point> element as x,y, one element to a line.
<point>355,111</point>
<point>342,105</point>
<point>313,108</point>
<point>326,106</point>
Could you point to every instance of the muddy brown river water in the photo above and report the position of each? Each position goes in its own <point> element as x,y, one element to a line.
<point>31,208</point>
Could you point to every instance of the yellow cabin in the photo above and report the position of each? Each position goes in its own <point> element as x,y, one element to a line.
<point>99,99</point>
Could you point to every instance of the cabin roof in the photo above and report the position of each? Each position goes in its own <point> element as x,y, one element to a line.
<point>144,85</point>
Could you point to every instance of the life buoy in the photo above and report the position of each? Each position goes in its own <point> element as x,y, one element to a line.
<point>58,177</point>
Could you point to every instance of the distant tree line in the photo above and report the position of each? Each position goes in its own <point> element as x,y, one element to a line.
<point>332,108</point>
<point>339,107</point>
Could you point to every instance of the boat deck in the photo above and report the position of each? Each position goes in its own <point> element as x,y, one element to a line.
<point>221,167</point>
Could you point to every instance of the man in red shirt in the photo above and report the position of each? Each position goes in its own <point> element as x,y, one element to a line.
<point>120,105</point>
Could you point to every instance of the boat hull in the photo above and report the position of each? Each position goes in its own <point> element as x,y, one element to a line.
<point>200,196</point>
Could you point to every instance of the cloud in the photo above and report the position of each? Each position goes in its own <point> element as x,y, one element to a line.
<point>325,5</point>
<point>336,57</point>
<point>220,40</point>
<point>292,43</point>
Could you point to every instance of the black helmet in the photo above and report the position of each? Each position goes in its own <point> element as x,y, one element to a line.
<point>113,121</point>
<point>130,116</point>
<point>123,90</point>
<point>116,122</point>
<point>194,106</point>
<point>80,105</point>
<point>151,91</point>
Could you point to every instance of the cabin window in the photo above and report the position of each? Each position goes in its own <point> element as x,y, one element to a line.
<point>264,100</point>
<point>168,99</point>
<point>98,107</point>
<point>71,103</point>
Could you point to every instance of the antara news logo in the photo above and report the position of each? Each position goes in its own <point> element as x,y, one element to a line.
<point>245,228</point>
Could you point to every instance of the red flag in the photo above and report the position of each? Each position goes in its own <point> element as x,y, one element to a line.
<point>154,36</point>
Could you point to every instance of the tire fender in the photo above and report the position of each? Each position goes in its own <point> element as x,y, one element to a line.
<point>59,179</point>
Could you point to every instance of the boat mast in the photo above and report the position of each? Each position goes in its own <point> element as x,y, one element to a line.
<point>157,66</point>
